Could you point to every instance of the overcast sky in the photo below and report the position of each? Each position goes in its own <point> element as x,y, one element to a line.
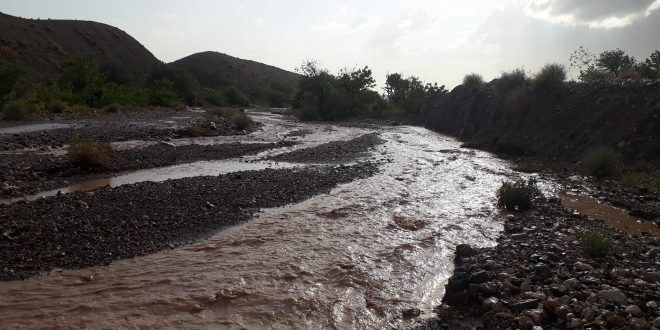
<point>437,40</point>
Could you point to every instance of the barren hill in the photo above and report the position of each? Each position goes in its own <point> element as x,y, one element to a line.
<point>216,70</point>
<point>42,46</point>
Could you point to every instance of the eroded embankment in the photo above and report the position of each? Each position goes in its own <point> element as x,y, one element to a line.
<point>559,124</point>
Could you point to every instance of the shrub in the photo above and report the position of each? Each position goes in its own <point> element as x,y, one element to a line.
<point>595,244</point>
<point>277,99</point>
<point>15,110</point>
<point>89,155</point>
<point>235,97</point>
<point>112,108</point>
<point>242,120</point>
<point>518,100</point>
<point>510,81</point>
<point>56,106</point>
<point>518,195</point>
<point>603,163</point>
<point>215,97</point>
<point>473,81</point>
<point>550,76</point>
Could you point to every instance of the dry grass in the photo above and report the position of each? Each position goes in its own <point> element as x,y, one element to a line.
<point>90,155</point>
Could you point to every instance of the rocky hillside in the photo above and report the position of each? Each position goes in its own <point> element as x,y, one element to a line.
<point>42,46</point>
<point>217,70</point>
<point>561,124</point>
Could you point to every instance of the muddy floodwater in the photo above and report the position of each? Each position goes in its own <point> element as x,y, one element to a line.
<point>353,258</point>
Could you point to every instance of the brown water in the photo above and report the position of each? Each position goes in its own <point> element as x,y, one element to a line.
<point>350,259</point>
<point>612,216</point>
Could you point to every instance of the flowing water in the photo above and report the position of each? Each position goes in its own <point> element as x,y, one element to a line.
<point>350,259</point>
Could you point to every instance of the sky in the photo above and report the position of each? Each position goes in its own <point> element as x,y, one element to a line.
<point>435,40</point>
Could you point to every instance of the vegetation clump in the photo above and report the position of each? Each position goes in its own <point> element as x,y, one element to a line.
<point>518,100</point>
<point>595,244</point>
<point>57,106</point>
<point>551,76</point>
<point>603,163</point>
<point>90,155</point>
<point>518,195</point>
<point>473,81</point>
<point>14,111</point>
<point>240,119</point>
<point>509,81</point>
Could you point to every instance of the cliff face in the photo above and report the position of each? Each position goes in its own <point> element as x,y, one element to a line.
<point>42,46</point>
<point>561,124</point>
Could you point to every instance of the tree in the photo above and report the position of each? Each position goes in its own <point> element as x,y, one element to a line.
<point>650,68</point>
<point>410,93</point>
<point>615,61</point>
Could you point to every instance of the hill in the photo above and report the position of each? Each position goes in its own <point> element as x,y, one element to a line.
<point>215,70</point>
<point>42,46</point>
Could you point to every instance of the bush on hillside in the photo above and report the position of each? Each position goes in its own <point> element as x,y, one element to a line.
<point>518,195</point>
<point>56,106</point>
<point>551,76</point>
<point>90,155</point>
<point>235,97</point>
<point>473,81</point>
<point>509,81</point>
<point>518,100</point>
<point>603,163</point>
<point>113,108</point>
<point>15,110</point>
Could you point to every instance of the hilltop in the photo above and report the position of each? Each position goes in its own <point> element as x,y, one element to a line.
<point>43,46</point>
<point>216,70</point>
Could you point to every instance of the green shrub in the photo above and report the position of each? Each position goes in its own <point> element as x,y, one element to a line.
<point>550,76</point>
<point>509,81</point>
<point>603,163</point>
<point>235,97</point>
<point>595,244</point>
<point>518,100</point>
<point>277,99</point>
<point>518,195</point>
<point>15,110</point>
<point>89,155</point>
<point>223,112</point>
<point>56,106</point>
<point>113,108</point>
<point>473,81</point>
<point>242,120</point>
<point>215,97</point>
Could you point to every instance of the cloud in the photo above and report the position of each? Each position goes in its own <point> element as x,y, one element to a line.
<point>592,13</point>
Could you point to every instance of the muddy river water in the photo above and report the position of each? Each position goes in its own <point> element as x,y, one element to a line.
<point>351,259</point>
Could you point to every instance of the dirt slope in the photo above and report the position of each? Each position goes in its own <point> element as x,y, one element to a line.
<point>42,46</point>
<point>216,70</point>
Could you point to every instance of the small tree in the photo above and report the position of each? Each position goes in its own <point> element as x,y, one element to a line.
<point>473,81</point>
<point>615,61</point>
<point>650,68</point>
<point>550,76</point>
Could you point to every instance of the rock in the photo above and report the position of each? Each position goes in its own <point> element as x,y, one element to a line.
<point>572,283</point>
<point>535,295</point>
<point>82,205</point>
<point>656,322</point>
<point>542,271</point>
<point>489,304</point>
<point>525,304</point>
<point>589,314</point>
<point>525,323</point>
<point>562,311</point>
<point>613,296</point>
<point>651,277</point>
<point>582,267</point>
<point>615,322</point>
<point>652,305</point>
<point>410,313</point>
<point>535,314</point>
<point>479,277</point>
<point>465,250</point>
<point>633,310</point>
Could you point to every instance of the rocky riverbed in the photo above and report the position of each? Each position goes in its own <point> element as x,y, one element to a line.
<point>540,276</point>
